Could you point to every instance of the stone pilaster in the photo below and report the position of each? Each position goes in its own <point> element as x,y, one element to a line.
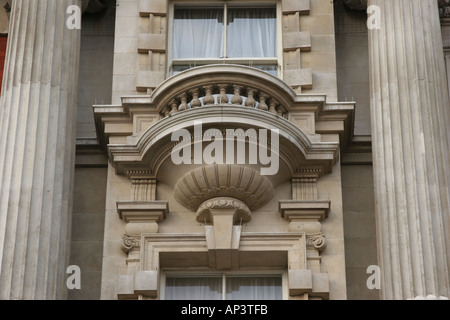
<point>37,149</point>
<point>410,134</point>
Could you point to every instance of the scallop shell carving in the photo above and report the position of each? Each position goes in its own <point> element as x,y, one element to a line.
<point>212,181</point>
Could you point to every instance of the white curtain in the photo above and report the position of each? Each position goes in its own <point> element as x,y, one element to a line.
<point>251,33</point>
<point>253,288</point>
<point>198,33</point>
<point>237,288</point>
<point>195,288</point>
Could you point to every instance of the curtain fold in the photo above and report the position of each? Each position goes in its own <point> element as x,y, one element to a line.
<point>236,288</point>
<point>251,33</point>
<point>198,33</point>
<point>253,288</point>
<point>195,288</point>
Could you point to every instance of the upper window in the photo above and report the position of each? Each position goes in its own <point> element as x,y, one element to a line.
<point>224,33</point>
<point>223,287</point>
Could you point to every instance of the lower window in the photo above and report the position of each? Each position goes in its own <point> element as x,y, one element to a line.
<point>223,287</point>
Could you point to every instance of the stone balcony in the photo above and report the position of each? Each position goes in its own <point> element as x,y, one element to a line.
<point>137,133</point>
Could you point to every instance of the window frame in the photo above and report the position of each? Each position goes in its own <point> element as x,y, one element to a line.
<point>277,60</point>
<point>220,273</point>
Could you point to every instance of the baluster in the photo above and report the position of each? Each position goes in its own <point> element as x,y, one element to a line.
<point>174,106</point>
<point>183,105</point>
<point>237,99</point>
<point>250,102</point>
<point>262,101</point>
<point>195,102</point>
<point>272,106</point>
<point>280,111</point>
<point>208,99</point>
<point>166,111</point>
<point>222,98</point>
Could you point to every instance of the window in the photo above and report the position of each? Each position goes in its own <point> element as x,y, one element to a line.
<point>224,33</point>
<point>227,286</point>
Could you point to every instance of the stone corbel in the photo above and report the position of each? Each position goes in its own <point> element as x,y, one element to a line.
<point>306,216</point>
<point>142,216</point>
<point>223,235</point>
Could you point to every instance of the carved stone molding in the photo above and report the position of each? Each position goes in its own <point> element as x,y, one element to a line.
<point>142,216</point>
<point>306,216</point>
<point>253,248</point>
<point>240,209</point>
<point>223,237</point>
<point>316,241</point>
<point>129,243</point>
<point>304,188</point>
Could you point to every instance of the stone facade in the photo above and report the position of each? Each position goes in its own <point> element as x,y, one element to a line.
<point>358,128</point>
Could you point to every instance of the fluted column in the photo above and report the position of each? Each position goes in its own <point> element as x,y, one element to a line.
<point>37,148</point>
<point>410,134</point>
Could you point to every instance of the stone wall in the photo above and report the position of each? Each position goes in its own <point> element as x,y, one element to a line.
<point>359,230</point>
<point>94,87</point>
<point>96,61</point>
<point>357,180</point>
<point>352,57</point>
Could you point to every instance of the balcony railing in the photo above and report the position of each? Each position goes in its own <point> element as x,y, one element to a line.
<point>223,94</point>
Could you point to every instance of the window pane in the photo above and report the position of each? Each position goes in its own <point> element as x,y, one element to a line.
<point>178,68</point>
<point>253,288</point>
<point>198,33</point>
<point>272,69</point>
<point>195,288</point>
<point>251,32</point>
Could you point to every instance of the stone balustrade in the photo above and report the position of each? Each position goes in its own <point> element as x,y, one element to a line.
<point>223,94</point>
